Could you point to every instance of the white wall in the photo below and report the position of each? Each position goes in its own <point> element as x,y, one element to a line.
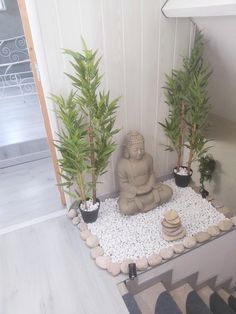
<point>223,185</point>
<point>138,46</point>
<point>220,52</point>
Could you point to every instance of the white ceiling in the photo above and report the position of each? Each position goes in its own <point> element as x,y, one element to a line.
<point>220,52</point>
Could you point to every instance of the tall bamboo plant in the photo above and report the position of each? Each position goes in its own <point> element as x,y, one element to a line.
<point>186,97</point>
<point>73,148</point>
<point>198,101</point>
<point>174,125</point>
<point>99,111</point>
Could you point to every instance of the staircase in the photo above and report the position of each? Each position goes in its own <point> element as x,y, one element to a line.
<point>183,297</point>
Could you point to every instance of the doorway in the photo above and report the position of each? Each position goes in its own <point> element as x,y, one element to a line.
<point>28,182</point>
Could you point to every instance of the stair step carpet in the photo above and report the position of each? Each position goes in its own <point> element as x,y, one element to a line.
<point>232,302</point>
<point>166,305</point>
<point>218,305</point>
<point>195,304</point>
<point>147,298</point>
<point>129,299</point>
<point>180,296</point>
<point>205,294</point>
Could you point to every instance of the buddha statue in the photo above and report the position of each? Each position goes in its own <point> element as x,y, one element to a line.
<point>139,191</point>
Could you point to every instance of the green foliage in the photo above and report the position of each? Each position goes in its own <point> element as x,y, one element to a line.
<point>94,114</point>
<point>198,100</point>
<point>186,97</point>
<point>174,92</point>
<point>72,146</point>
<point>206,168</point>
<point>104,121</point>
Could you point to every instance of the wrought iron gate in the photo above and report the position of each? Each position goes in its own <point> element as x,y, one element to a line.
<point>16,77</point>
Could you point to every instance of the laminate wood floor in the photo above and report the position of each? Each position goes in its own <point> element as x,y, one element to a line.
<point>27,191</point>
<point>46,269</point>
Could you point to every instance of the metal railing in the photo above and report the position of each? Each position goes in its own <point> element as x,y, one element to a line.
<point>16,77</point>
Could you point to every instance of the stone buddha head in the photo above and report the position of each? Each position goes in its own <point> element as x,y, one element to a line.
<point>134,146</point>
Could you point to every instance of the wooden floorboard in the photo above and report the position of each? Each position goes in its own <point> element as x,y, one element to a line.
<point>46,268</point>
<point>27,191</point>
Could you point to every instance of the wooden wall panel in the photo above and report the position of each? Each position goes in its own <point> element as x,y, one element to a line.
<point>132,60</point>
<point>149,72</point>
<point>63,16</point>
<point>93,32</point>
<point>181,48</point>
<point>182,41</point>
<point>138,46</point>
<point>115,69</point>
<point>51,40</point>
<point>165,64</point>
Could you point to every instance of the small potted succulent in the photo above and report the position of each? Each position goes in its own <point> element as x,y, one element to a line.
<point>88,121</point>
<point>206,169</point>
<point>186,96</point>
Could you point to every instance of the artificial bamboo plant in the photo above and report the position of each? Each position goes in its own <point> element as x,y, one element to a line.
<point>186,97</point>
<point>95,117</point>
<point>174,125</point>
<point>198,101</point>
<point>73,147</point>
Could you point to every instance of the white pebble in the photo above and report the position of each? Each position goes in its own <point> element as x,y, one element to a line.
<point>90,206</point>
<point>133,237</point>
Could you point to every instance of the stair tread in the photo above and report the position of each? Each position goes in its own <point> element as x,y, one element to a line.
<point>180,295</point>
<point>205,293</point>
<point>147,298</point>
<point>223,294</point>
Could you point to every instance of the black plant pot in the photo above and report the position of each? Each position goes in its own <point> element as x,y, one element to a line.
<point>204,192</point>
<point>90,216</point>
<point>182,181</point>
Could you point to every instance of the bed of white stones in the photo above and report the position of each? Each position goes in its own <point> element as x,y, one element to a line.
<point>116,240</point>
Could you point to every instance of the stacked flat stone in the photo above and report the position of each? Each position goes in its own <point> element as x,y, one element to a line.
<point>172,228</point>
